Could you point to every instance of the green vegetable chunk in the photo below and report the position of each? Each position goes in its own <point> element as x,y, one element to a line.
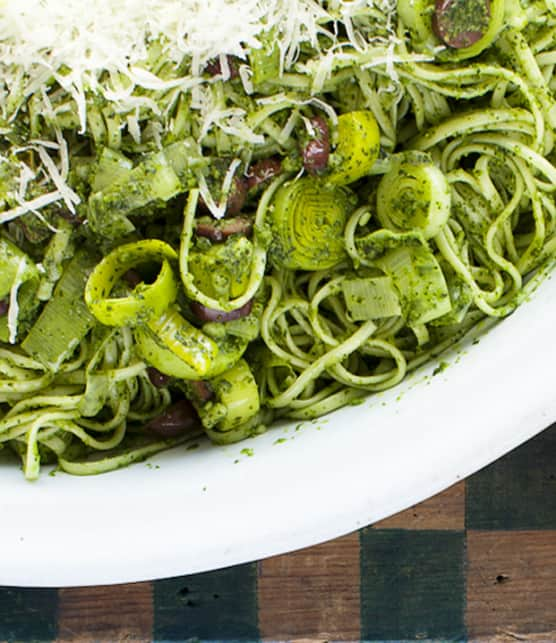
<point>65,320</point>
<point>417,276</point>
<point>414,195</point>
<point>357,149</point>
<point>307,218</point>
<point>371,298</point>
<point>19,278</point>
<point>158,178</point>
<point>235,402</point>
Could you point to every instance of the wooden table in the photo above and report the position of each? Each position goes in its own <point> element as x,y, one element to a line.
<point>476,562</point>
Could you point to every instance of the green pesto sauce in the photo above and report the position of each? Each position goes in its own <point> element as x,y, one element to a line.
<point>466,16</point>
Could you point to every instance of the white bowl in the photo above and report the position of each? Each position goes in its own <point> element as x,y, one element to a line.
<point>190,511</point>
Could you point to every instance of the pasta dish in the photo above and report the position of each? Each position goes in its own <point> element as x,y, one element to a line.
<point>214,217</point>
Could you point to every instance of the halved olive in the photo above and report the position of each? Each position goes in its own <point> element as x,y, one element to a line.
<point>461,23</point>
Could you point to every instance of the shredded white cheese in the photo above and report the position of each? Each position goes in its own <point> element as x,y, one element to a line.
<point>119,50</point>
<point>13,310</point>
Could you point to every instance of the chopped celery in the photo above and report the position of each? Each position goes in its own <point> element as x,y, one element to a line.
<point>371,298</point>
<point>65,320</point>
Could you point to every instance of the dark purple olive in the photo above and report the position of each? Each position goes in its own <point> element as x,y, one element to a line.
<point>461,23</point>
<point>74,219</point>
<point>221,230</point>
<point>132,278</point>
<point>214,67</point>
<point>263,171</point>
<point>201,391</point>
<point>237,196</point>
<point>4,307</point>
<point>176,420</point>
<point>157,378</point>
<point>317,149</point>
<point>211,315</point>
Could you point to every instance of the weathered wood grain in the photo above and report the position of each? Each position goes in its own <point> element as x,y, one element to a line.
<point>446,510</point>
<point>106,614</point>
<point>311,594</point>
<point>511,585</point>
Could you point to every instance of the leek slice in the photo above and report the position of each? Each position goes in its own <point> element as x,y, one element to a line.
<point>237,399</point>
<point>146,300</point>
<point>307,220</point>
<point>357,148</point>
<point>159,177</point>
<point>371,298</point>
<point>175,347</point>
<point>417,276</point>
<point>65,320</point>
<point>222,270</point>
<point>413,195</point>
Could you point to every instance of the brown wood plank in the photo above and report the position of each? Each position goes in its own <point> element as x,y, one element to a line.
<point>511,585</point>
<point>446,510</point>
<point>312,593</point>
<point>106,614</point>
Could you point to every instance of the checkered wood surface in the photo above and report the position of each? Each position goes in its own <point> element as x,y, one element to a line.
<point>475,563</point>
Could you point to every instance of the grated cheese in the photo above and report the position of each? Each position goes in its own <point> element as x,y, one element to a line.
<point>122,50</point>
<point>13,310</point>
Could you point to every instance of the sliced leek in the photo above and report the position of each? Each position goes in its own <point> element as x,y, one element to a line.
<point>413,195</point>
<point>307,219</point>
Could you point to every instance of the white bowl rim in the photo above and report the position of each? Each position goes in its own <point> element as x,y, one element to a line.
<point>185,512</point>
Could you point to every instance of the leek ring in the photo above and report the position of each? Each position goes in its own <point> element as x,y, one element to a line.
<point>146,301</point>
<point>414,195</point>
<point>177,348</point>
<point>357,148</point>
<point>307,219</point>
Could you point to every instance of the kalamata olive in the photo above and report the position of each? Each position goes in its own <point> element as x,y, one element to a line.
<point>176,420</point>
<point>211,315</point>
<point>201,391</point>
<point>157,378</point>
<point>4,307</point>
<point>221,230</point>
<point>75,219</point>
<point>214,67</point>
<point>132,278</point>
<point>263,171</point>
<point>317,149</point>
<point>461,23</point>
<point>237,196</point>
